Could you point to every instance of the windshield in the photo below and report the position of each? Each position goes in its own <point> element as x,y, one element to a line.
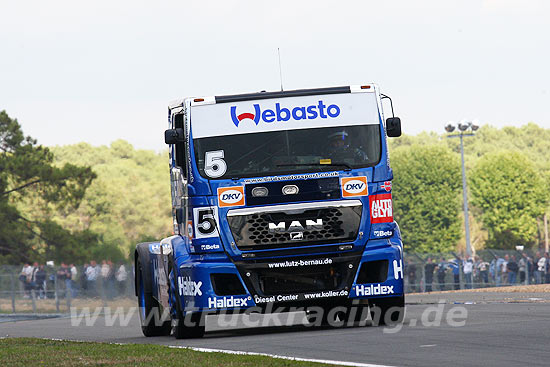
<point>290,151</point>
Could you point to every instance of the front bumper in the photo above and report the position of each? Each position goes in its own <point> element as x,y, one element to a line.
<point>211,284</point>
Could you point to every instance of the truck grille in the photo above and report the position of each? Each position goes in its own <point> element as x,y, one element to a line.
<point>282,276</point>
<point>284,281</point>
<point>294,225</point>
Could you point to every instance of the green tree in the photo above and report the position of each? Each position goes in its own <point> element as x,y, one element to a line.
<point>27,170</point>
<point>509,193</point>
<point>130,199</point>
<point>426,195</point>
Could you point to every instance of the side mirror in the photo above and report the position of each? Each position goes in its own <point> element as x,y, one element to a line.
<point>393,127</point>
<point>173,136</point>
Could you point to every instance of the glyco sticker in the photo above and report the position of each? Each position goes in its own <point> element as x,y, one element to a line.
<point>354,186</point>
<point>381,209</point>
<point>230,196</point>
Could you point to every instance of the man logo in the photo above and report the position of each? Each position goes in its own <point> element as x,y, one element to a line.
<point>230,196</point>
<point>354,186</point>
<point>296,236</point>
<point>296,226</point>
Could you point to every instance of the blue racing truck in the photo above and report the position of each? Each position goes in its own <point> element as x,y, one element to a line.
<point>280,200</point>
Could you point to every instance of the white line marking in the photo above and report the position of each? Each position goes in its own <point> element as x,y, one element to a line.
<point>325,361</point>
<point>428,345</point>
<point>237,352</point>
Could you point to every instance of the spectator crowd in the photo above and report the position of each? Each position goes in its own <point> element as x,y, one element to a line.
<point>91,280</point>
<point>501,270</point>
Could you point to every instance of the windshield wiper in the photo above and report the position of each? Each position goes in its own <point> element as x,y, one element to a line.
<point>337,164</point>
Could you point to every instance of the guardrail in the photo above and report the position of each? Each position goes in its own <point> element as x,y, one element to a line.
<point>54,295</point>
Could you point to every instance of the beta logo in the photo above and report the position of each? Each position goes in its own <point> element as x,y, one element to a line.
<point>381,209</point>
<point>354,186</point>
<point>285,114</point>
<point>211,247</point>
<point>383,233</point>
<point>230,196</point>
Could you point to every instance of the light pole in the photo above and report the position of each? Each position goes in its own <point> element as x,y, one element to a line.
<point>463,131</point>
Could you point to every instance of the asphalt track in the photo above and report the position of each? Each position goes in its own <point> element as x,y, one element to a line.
<point>499,330</point>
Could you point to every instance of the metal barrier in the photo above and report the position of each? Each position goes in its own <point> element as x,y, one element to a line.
<point>426,272</point>
<point>57,295</point>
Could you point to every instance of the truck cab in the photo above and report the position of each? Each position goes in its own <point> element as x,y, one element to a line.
<point>279,200</point>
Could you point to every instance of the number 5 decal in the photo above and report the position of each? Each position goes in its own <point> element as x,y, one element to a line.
<point>206,222</point>
<point>214,165</point>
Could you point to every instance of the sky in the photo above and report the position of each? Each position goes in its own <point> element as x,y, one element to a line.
<point>103,70</point>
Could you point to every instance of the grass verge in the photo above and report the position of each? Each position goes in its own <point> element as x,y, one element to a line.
<point>33,352</point>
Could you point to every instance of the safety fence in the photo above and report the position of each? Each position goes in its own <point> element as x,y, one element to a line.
<point>54,290</point>
<point>424,272</point>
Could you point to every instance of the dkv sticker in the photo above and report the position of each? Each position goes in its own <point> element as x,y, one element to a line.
<point>354,186</point>
<point>230,196</point>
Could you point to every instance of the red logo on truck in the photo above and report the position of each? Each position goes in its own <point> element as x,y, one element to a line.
<point>381,208</point>
<point>386,186</point>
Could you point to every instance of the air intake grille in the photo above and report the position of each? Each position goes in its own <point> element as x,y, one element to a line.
<point>284,281</point>
<point>290,227</point>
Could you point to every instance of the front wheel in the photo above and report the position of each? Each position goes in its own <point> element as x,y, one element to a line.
<point>152,322</point>
<point>192,325</point>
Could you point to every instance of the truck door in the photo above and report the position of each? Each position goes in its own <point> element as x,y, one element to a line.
<point>178,178</point>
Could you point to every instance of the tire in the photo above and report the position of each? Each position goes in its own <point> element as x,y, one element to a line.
<point>149,308</point>
<point>387,311</point>
<point>196,320</point>
<point>195,330</point>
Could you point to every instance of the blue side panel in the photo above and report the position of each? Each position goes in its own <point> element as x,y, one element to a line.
<point>192,283</point>
<point>196,291</point>
<point>393,285</point>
